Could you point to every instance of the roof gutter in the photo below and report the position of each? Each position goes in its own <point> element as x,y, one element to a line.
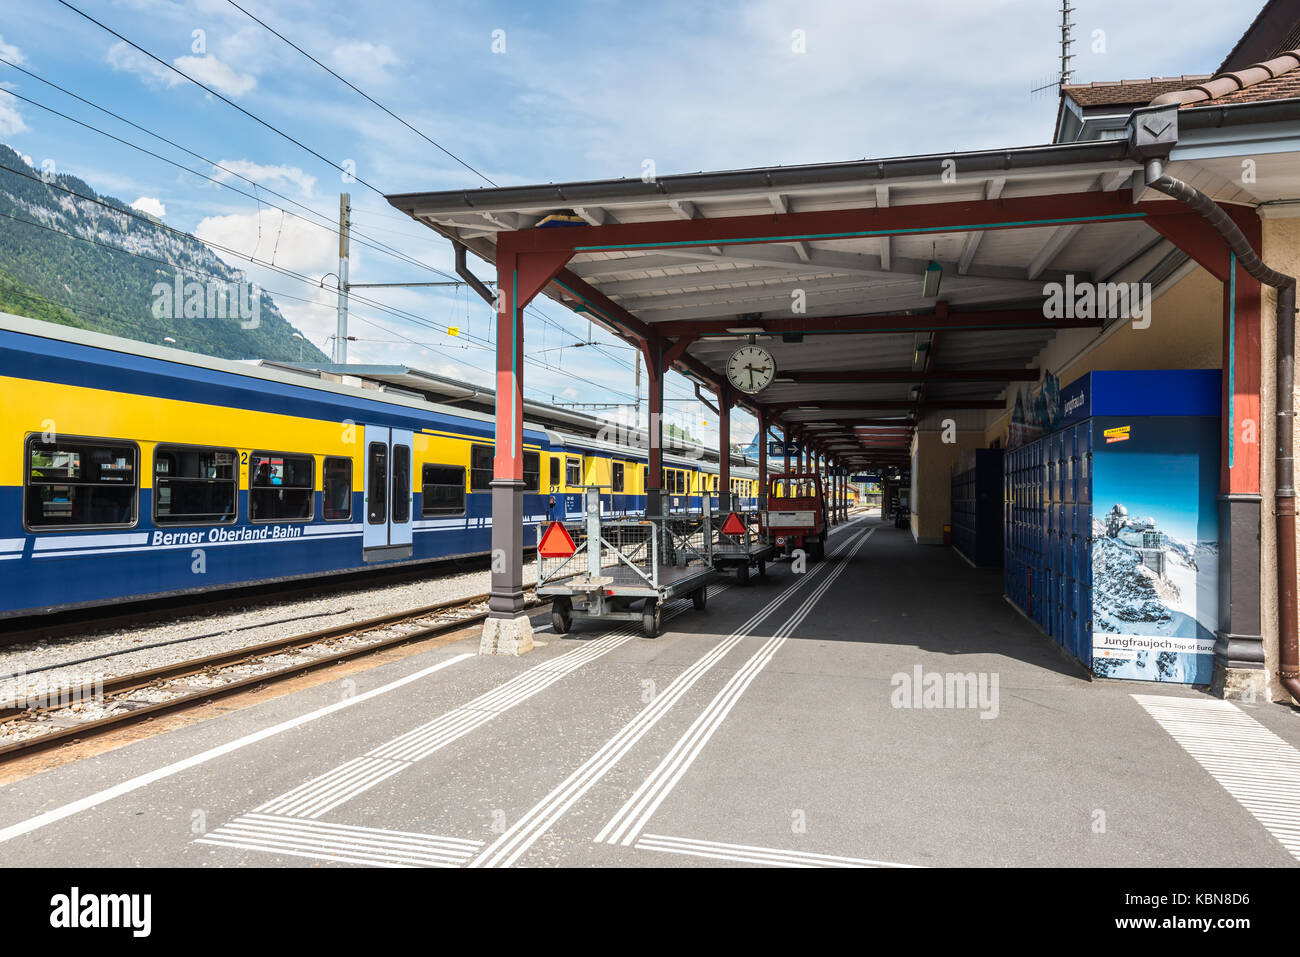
<point>1153,132</point>
<point>776,178</point>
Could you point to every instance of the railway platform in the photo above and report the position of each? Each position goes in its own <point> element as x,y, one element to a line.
<point>794,722</point>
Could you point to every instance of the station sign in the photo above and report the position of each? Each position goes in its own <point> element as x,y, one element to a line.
<point>783,448</point>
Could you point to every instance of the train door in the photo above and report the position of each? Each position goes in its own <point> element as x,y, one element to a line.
<point>387,502</point>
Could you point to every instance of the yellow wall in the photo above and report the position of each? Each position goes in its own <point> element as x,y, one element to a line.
<point>1186,332</point>
<point>934,459</point>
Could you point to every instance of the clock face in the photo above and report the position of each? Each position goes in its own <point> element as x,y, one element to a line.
<point>751,369</point>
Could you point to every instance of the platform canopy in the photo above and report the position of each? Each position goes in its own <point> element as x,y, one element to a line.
<point>824,263</point>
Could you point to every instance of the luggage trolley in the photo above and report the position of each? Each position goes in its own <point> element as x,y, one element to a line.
<point>624,569</point>
<point>741,543</point>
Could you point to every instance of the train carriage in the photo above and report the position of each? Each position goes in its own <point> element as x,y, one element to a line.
<point>130,471</point>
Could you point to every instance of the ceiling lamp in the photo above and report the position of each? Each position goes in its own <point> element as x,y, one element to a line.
<point>931,277</point>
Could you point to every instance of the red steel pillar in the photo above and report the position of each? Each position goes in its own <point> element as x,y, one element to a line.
<point>520,277</point>
<point>654,362</point>
<point>1239,642</point>
<point>762,459</point>
<point>724,448</point>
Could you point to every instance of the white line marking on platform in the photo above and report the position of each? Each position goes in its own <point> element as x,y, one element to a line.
<point>529,829</point>
<point>625,826</point>
<point>343,843</point>
<point>326,792</point>
<point>143,780</point>
<point>1258,768</point>
<point>748,854</point>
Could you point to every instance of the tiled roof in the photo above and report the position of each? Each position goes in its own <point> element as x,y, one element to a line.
<point>1128,92</point>
<point>1275,79</point>
<point>1281,87</point>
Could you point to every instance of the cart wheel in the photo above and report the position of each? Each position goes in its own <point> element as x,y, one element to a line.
<point>561,615</point>
<point>762,568</point>
<point>701,598</point>
<point>650,619</point>
<point>742,573</point>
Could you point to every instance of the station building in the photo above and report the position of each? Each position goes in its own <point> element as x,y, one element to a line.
<point>919,309</point>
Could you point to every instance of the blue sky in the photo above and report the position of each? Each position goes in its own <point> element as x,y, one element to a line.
<point>584,89</point>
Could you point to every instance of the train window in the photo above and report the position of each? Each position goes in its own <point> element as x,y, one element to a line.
<point>444,490</point>
<point>616,477</point>
<point>480,468</point>
<point>574,469</point>
<point>80,482</point>
<point>377,483</point>
<point>532,471</point>
<point>193,486</point>
<point>401,483</point>
<point>555,473</point>
<point>336,480</point>
<point>645,478</point>
<point>280,487</point>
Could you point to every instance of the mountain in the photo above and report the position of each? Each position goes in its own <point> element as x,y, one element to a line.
<point>131,293</point>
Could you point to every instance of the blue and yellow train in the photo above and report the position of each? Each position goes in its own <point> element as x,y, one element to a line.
<point>129,472</point>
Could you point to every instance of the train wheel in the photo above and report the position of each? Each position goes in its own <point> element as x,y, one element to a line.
<point>700,597</point>
<point>561,615</point>
<point>650,618</point>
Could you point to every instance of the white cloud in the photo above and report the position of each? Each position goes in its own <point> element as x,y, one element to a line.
<point>11,121</point>
<point>266,174</point>
<point>294,243</point>
<point>216,74</point>
<point>123,56</point>
<point>149,204</point>
<point>363,62</point>
<point>11,52</point>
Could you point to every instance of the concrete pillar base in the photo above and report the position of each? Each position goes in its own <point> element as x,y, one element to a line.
<point>1239,684</point>
<point>506,636</point>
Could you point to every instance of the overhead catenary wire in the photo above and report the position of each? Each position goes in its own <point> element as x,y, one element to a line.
<point>329,225</point>
<point>208,89</point>
<point>327,221</point>
<point>223,98</point>
<point>362,93</point>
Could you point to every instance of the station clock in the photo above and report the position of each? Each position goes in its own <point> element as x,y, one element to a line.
<point>751,369</point>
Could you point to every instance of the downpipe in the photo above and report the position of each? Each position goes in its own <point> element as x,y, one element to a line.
<point>462,270</point>
<point>1284,493</point>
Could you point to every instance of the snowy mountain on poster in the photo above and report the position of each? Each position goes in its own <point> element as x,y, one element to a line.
<point>1130,598</point>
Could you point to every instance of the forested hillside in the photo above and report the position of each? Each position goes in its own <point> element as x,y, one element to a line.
<point>71,256</point>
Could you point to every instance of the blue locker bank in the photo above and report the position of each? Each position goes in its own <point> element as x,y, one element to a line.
<point>1111,524</point>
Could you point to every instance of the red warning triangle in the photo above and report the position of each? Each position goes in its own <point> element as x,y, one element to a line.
<point>556,542</point>
<point>733,525</point>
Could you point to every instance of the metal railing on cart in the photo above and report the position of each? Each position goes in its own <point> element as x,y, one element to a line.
<point>618,562</point>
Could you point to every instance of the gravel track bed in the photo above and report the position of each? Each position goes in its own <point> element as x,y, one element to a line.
<point>208,634</point>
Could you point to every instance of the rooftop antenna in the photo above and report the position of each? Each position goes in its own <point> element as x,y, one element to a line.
<point>1067,41</point>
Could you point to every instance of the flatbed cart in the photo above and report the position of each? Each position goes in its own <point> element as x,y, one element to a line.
<point>623,569</point>
<point>741,544</point>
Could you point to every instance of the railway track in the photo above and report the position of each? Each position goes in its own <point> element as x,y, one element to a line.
<point>131,699</point>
